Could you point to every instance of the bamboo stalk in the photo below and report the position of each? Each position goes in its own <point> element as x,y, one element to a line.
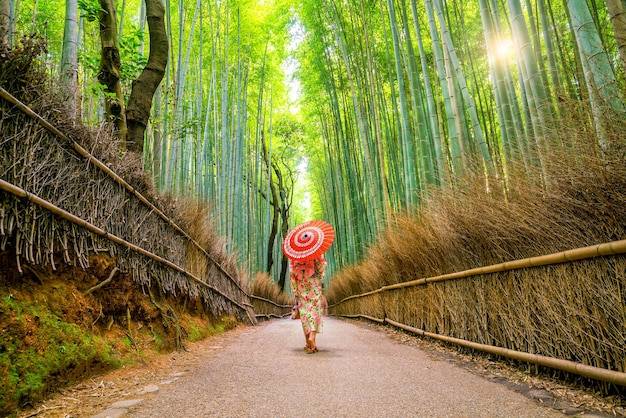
<point>584,253</point>
<point>19,192</point>
<point>91,159</point>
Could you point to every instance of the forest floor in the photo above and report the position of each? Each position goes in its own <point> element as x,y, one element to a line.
<point>361,370</point>
<point>139,380</point>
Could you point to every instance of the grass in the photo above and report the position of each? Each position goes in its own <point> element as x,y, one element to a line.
<point>200,332</point>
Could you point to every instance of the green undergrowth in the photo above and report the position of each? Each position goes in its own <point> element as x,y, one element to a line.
<point>38,351</point>
<point>53,334</point>
<point>199,332</point>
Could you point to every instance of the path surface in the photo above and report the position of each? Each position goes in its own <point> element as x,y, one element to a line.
<point>358,372</point>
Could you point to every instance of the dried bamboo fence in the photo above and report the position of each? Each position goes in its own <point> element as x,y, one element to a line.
<point>268,308</point>
<point>523,313</point>
<point>96,211</point>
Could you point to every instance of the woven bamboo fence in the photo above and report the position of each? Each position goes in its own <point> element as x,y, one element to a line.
<point>528,310</point>
<point>59,203</point>
<point>266,308</point>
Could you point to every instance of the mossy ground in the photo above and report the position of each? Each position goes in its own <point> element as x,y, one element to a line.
<point>52,334</point>
<point>39,350</point>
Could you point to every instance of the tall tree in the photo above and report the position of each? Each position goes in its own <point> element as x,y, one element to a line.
<point>145,86</point>
<point>110,68</point>
<point>285,194</point>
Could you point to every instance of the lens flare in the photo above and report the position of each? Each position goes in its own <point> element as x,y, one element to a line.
<point>503,48</point>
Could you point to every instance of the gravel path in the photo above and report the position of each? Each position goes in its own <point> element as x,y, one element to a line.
<point>358,372</point>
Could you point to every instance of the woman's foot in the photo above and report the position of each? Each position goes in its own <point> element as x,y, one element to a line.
<point>310,341</point>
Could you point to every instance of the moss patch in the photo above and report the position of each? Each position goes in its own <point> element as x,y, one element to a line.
<point>54,334</point>
<point>199,329</point>
<point>39,350</point>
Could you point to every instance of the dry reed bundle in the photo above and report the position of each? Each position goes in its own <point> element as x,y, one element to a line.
<point>573,311</point>
<point>267,298</point>
<point>40,163</point>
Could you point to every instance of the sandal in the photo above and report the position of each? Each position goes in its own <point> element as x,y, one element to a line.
<point>309,350</point>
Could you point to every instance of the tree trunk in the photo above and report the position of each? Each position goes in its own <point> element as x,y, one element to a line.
<point>5,22</point>
<point>144,87</point>
<point>273,201</point>
<point>283,209</point>
<point>69,59</point>
<point>109,74</point>
<point>617,10</point>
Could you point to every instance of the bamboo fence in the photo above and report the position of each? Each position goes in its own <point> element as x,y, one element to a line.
<point>592,251</point>
<point>270,301</point>
<point>118,179</point>
<point>63,214</point>
<point>268,308</point>
<point>99,208</point>
<point>387,300</point>
<point>269,316</point>
<point>597,373</point>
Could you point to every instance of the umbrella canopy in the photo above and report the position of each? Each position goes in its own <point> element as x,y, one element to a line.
<point>308,241</point>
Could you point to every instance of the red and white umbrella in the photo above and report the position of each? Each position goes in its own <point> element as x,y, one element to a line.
<point>308,241</point>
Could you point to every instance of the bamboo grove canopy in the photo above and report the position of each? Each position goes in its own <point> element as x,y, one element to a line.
<point>276,111</point>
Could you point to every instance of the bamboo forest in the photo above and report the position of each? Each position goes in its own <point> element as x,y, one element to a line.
<point>460,163</point>
<point>277,111</point>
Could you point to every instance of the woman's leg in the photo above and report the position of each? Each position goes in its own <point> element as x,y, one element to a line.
<point>311,340</point>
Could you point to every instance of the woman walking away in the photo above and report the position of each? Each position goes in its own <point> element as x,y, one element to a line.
<point>305,246</point>
<point>306,284</point>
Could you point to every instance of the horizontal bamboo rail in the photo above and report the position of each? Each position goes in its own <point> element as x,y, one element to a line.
<point>96,162</point>
<point>371,318</point>
<point>268,316</point>
<point>269,301</point>
<point>19,192</point>
<point>592,251</point>
<point>597,373</point>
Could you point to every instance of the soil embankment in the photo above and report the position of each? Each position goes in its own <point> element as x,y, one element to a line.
<point>56,332</point>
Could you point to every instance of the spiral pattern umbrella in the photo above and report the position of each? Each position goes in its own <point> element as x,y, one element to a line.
<point>308,241</point>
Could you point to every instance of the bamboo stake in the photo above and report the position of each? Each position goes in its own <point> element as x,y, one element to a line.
<point>569,256</point>
<point>605,375</point>
<point>104,282</point>
<point>10,188</point>
<point>91,159</point>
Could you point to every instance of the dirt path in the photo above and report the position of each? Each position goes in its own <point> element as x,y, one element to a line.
<point>358,372</point>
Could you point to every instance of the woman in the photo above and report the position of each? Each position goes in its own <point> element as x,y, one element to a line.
<point>306,284</point>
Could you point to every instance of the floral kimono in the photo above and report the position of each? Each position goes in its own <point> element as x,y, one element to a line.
<point>306,284</point>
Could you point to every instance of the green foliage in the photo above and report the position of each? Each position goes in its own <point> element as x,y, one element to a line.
<point>38,350</point>
<point>403,96</point>
<point>132,60</point>
<point>398,97</point>
<point>89,9</point>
